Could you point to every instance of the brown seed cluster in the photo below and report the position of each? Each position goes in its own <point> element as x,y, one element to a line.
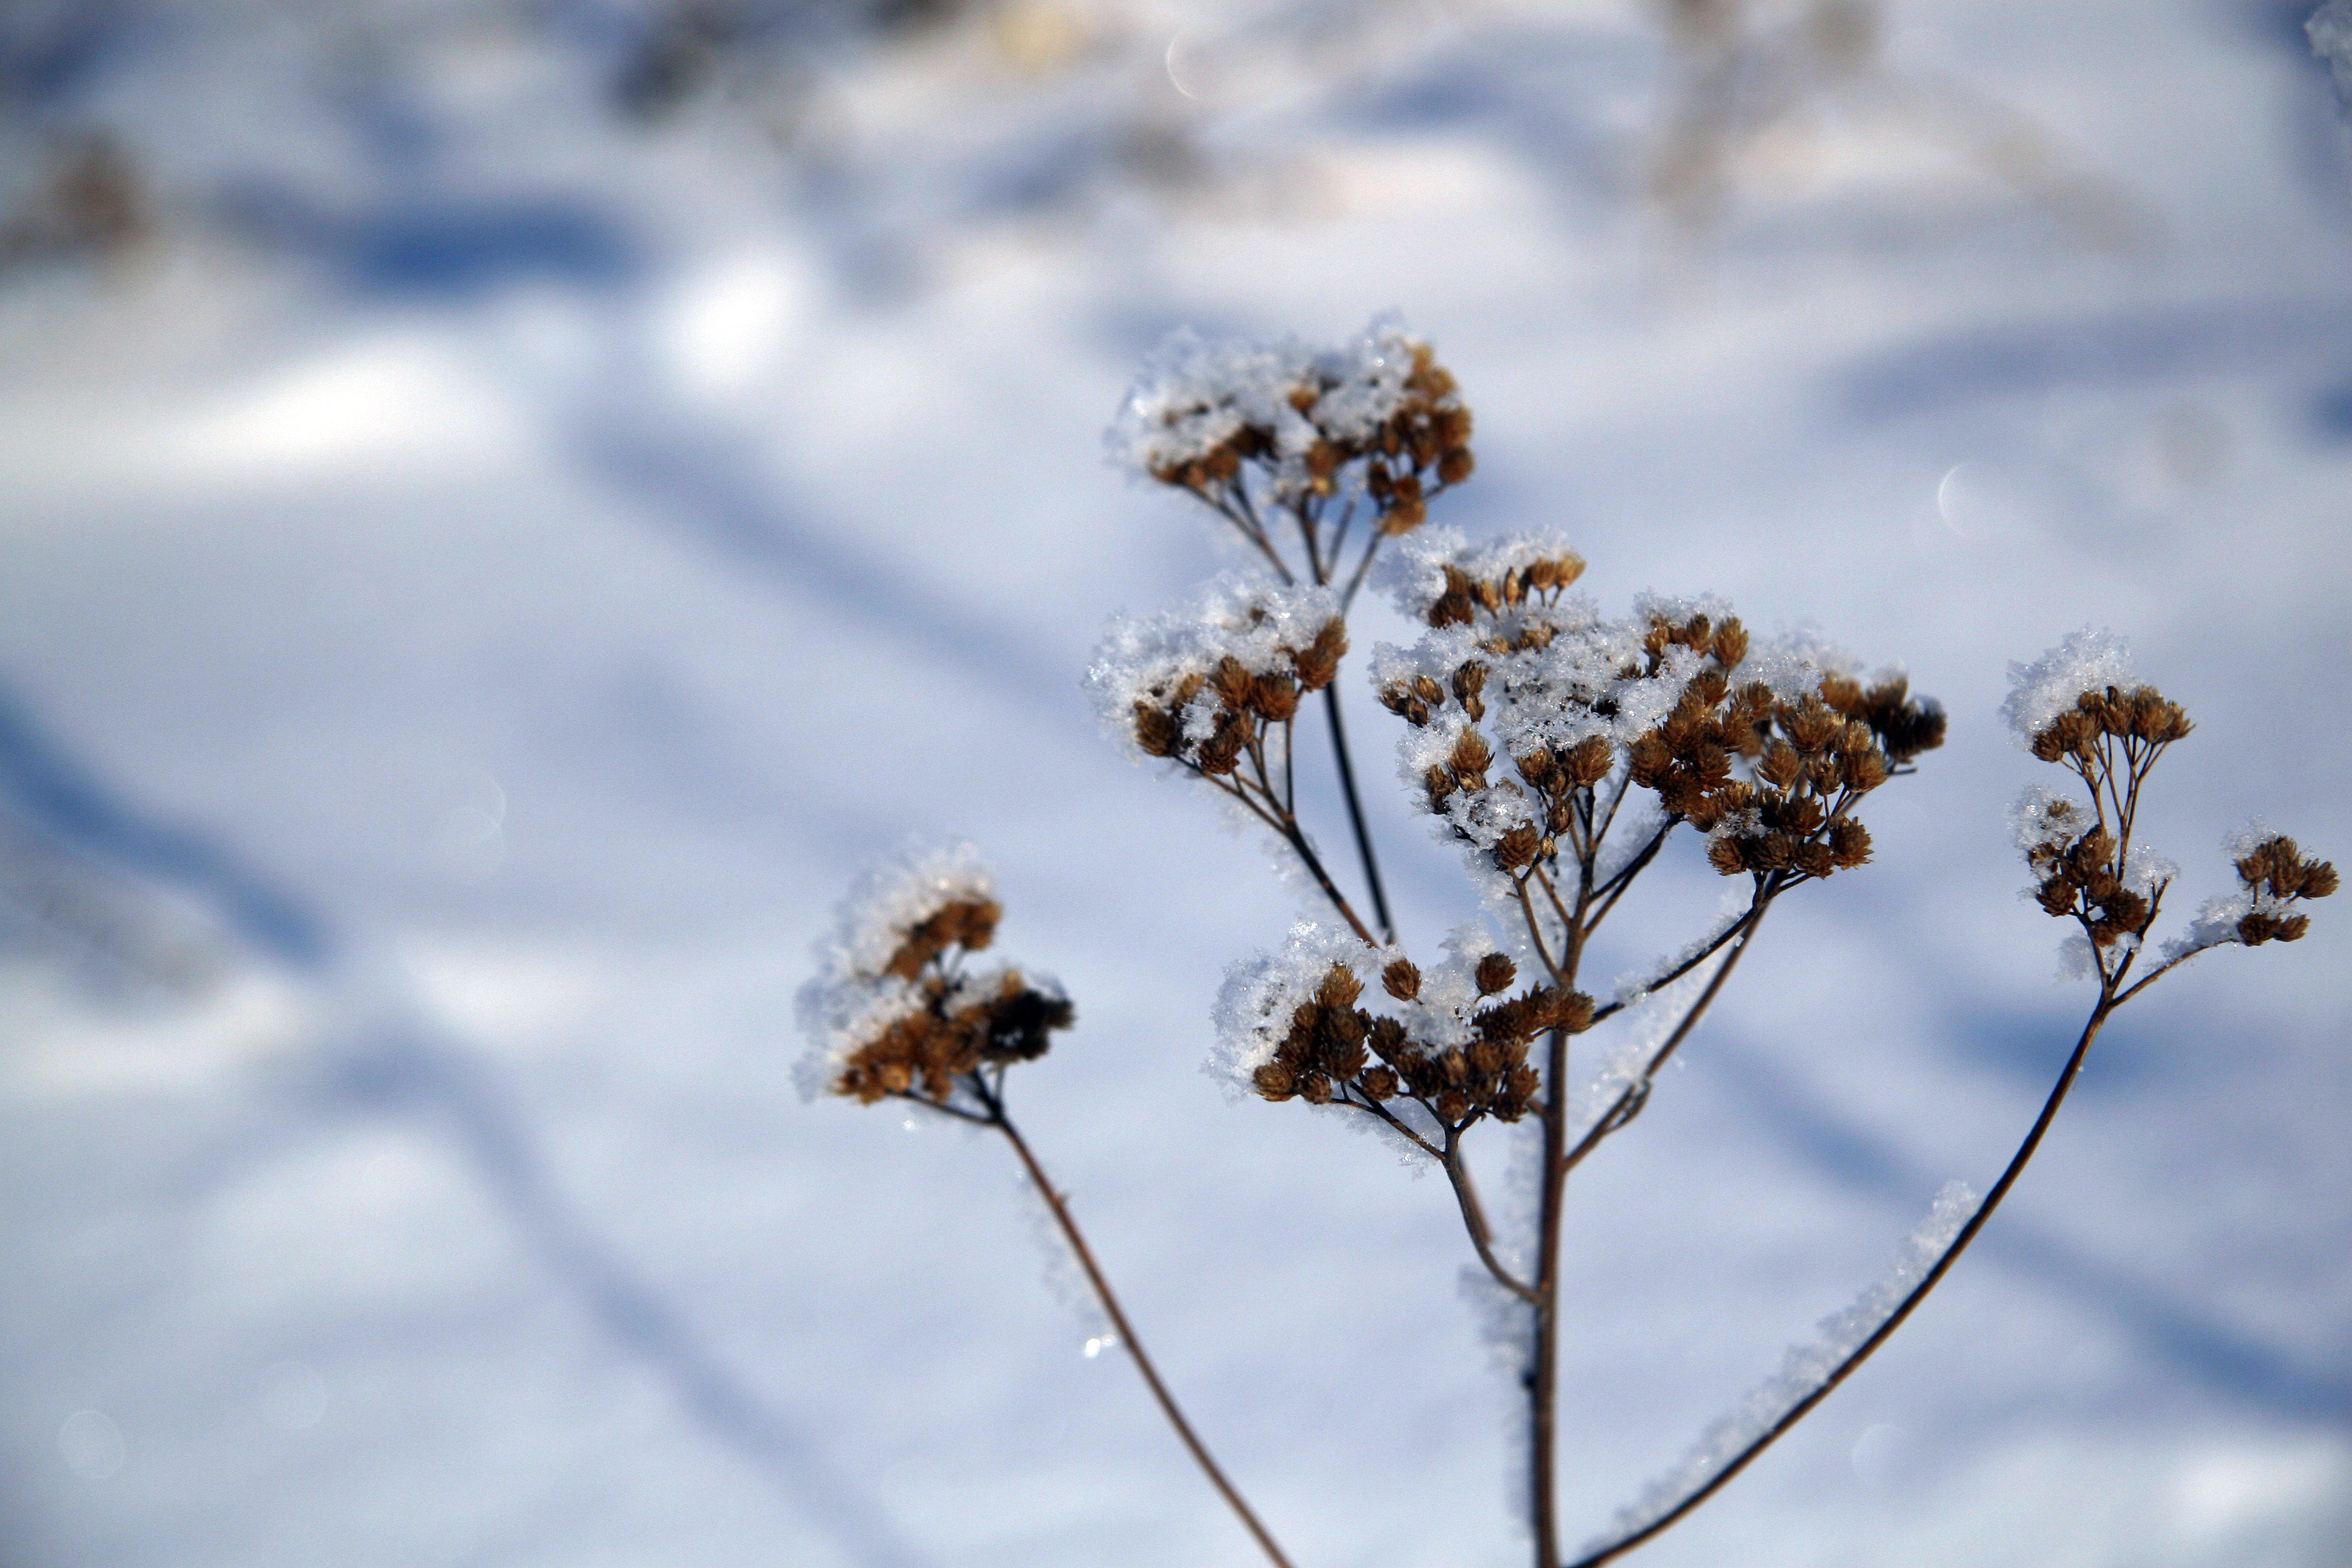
<point>1336,1050</point>
<point>960,1026</point>
<point>2140,718</point>
<point>1539,582</point>
<point>1421,447</point>
<point>2083,881</point>
<point>2276,873</point>
<point>2109,740</point>
<point>1248,703</point>
<point>1808,761</point>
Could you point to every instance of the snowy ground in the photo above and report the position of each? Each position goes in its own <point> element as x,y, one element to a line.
<point>460,629</point>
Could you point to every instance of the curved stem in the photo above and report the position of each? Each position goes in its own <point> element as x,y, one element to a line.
<point>1473,1219</point>
<point>1935,1275</point>
<point>1126,1331</point>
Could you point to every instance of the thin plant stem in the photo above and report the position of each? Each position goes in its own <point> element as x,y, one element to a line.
<point>1543,1374</point>
<point>1630,1100</point>
<point>1845,1369</point>
<point>1356,813</point>
<point>1168,1407</point>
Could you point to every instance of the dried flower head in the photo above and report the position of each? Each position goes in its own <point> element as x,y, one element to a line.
<point>1455,1040</point>
<point>1377,418</point>
<point>1764,746</point>
<point>2079,708</point>
<point>895,1008</point>
<point>1207,687</point>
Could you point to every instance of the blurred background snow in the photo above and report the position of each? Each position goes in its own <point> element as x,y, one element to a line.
<point>508,504</point>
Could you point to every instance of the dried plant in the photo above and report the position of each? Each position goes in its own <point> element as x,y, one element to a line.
<point>1562,752</point>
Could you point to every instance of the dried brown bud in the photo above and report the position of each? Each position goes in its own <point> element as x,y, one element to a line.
<point>1380,1084</point>
<point>1849,843</point>
<point>1471,756</point>
<point>1589,760</point>
<point>1274,696</point>
<point>1157,732</point>
<point>1341,988</point>
<point>1724,855</point>
<point>1517,848</point>
<point>1320,660</point>
<point>1401,980</point>
<point>1495,973</point>
<point>1454,466</point>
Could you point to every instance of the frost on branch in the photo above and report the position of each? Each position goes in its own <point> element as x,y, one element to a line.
<point>1805,1368</point>
<point>895,1009</point>
<point>1454,1039</point>
<point>1203,412</point>
<point>1200,684</point>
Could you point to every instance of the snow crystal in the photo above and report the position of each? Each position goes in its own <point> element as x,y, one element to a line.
<point>2330,30</point>
<point>850,1001</point>
<point>1261,992</point>
<point>1805,1367</point>
<point>1793,662</point>
<point>2038,692</point>
<point>1646,1024</point>
<point>1248,618</point>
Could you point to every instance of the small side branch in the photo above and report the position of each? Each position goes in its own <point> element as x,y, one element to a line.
<point>1894,1321</point>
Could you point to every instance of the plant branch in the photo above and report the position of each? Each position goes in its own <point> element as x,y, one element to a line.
<point>1168,1407</point>
<point>2108,1002</point>
<point>1356,813</point>
<point>1473,1219</point>
<point>1634,1097</point>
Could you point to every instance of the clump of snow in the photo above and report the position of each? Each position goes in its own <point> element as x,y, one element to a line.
<point>1248,618</point>
<point>2330,31</point>
<point>1806,1367</point>
<point>850,1000</point>
<point>2044,819</point>
<point>1194,394</point>
<point>2086,660</point>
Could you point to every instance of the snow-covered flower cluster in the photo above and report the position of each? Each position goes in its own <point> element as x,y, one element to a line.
<point>1289,1026</point>
<point>2274,877</point>
<point>2039,692</point>
<point>2076,707</point>
<point>894,1009</point>
<point>1514,670</point>
<point>1200,685</point>
<point>1205,410</point>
